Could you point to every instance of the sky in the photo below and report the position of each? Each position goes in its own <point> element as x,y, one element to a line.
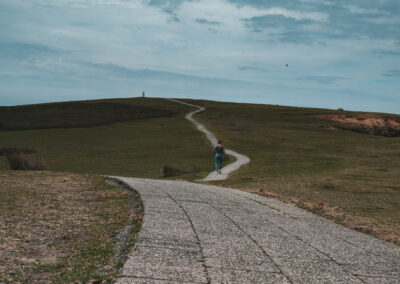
<point>312,53</point>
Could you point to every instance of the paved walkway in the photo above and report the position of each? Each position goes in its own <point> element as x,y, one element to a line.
<point>205,234</point>
<point>226,170</point>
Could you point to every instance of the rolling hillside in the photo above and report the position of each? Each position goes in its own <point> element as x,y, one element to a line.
<point>337,170</point>
<point>329,168</point>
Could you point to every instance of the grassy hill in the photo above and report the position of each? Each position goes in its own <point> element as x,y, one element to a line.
<point>128,137</point>
<point>317,164</point>
<point>296,155</point>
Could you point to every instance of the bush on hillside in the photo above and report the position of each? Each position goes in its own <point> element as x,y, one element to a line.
<point>20,161</point>
<point>170,171</point>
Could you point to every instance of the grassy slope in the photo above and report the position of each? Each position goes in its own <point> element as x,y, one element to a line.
<point>293,155</point>
<point>136,148</point>
<point>299,157</point>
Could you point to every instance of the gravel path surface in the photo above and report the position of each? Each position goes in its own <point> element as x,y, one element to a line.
<point>194,233</point>
<point>240,159</point>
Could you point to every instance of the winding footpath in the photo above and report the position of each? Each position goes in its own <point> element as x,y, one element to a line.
<point>196,233</point>
<point>226,170</point>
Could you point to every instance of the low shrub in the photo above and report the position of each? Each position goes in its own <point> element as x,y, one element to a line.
<point>170,171</point>
<point>21,161</point>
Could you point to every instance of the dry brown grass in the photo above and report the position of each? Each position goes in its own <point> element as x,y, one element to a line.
<point>58,227</point>
<point>366,123</point>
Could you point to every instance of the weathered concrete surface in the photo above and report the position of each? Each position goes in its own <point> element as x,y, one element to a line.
<point>205,234</point>
<point>226,170</point>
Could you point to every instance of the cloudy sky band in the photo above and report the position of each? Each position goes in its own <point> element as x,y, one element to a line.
<point>347,49</point>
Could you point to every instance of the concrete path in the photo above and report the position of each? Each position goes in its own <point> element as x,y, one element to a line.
<point>194,233</point>
<point>226,170</point>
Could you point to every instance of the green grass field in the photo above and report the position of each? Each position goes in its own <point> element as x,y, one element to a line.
<point>350,177</point>
<point>138,147</point>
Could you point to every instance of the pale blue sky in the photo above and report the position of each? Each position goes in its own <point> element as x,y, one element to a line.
<point>339,53</point>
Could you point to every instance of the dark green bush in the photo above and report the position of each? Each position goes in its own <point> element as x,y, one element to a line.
<point>21,161</point>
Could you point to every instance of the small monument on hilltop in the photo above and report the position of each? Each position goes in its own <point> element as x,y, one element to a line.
<point>143,94</point>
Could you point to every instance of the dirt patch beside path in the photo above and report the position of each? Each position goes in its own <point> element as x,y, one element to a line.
<point>60,227</point>
<point>366,123</point>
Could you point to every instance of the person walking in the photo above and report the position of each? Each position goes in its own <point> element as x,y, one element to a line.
<point>219,152</point>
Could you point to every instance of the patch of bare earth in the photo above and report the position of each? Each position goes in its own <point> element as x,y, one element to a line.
<point>336,214</point>
<point>366,123</point>
<point>59,227</point>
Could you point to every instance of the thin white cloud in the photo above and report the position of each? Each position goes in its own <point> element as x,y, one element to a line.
<point>384,20</point>
<point>315,16</point>
<point>231,15</point>
<point>360,10</point>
